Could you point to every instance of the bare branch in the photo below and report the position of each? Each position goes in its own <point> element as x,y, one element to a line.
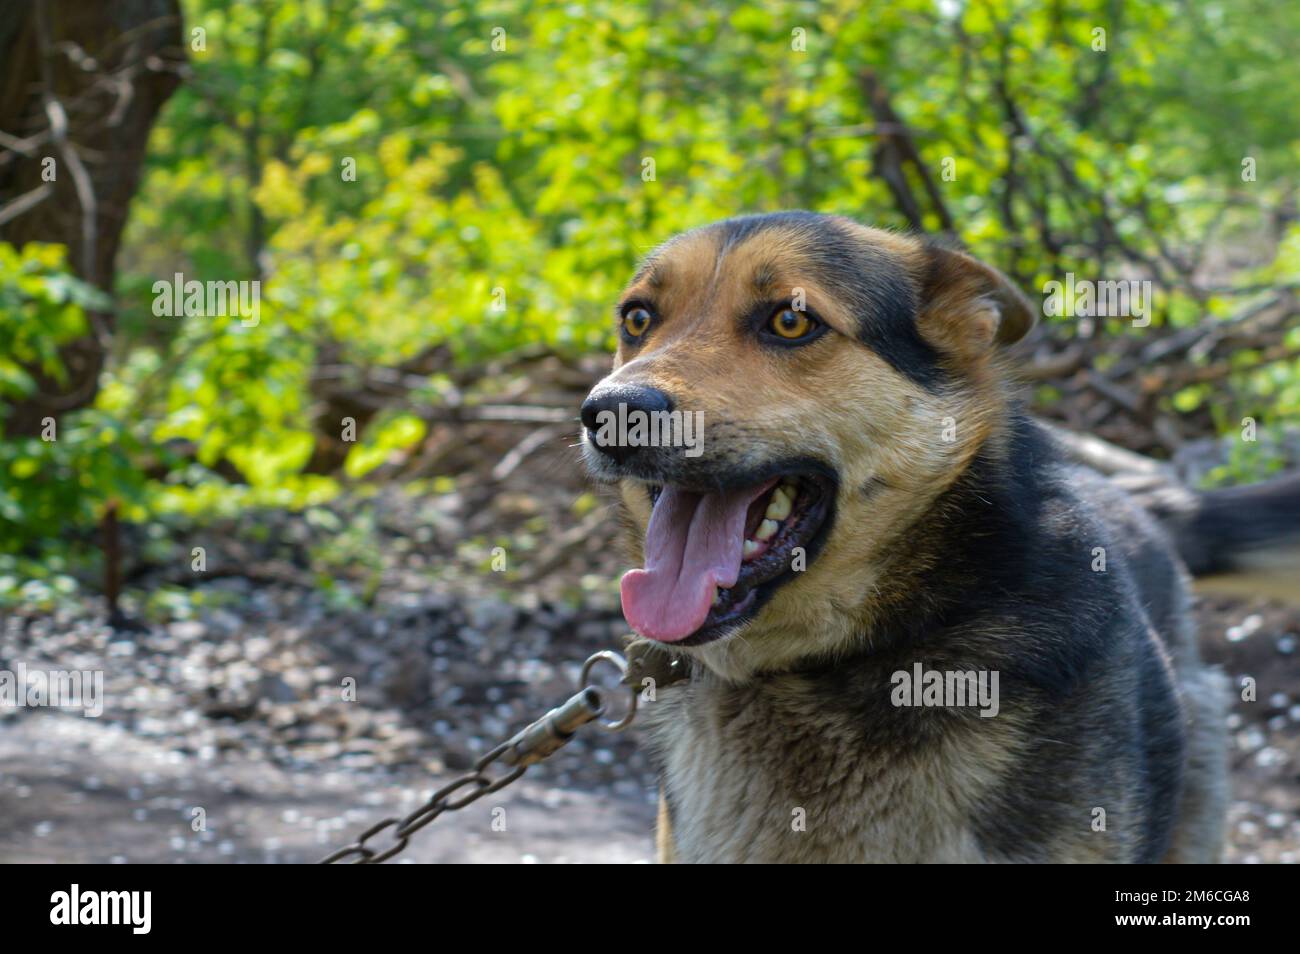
<point>25,202</point>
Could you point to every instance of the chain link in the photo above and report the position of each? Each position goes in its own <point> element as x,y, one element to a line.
<point>535,743</point>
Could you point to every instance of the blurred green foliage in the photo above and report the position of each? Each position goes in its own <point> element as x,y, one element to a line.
<point>400,173</point>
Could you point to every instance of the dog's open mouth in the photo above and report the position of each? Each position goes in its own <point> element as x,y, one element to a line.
<point>712,559</point>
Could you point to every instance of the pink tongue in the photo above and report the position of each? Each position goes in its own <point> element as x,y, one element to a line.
<point>693,546</point>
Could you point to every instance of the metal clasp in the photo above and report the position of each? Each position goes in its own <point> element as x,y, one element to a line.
<point>552,731</point>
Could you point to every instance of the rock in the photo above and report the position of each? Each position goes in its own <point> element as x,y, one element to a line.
<point>275,689</point>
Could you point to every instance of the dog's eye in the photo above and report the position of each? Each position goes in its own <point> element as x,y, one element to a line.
<point>636,321</point>
<point>791,325</point>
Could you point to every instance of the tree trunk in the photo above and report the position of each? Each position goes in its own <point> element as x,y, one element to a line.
<point>82,86</point>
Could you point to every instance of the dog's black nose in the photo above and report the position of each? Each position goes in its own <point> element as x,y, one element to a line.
<point>610,411</point>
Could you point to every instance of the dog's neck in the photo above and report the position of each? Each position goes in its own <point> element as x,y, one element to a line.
<point>936,571</point>
<point>968,544</point>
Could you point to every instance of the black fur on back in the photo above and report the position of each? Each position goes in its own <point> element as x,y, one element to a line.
<point>1007,585</point>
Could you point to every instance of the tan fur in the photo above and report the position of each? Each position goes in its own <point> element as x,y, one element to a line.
<point>887,806</point>
<point>665,852</point>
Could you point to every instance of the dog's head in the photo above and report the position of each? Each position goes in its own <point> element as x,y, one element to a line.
<point>791,392</point>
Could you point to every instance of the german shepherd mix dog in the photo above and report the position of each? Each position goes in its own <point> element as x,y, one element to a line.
<point>915,630</point>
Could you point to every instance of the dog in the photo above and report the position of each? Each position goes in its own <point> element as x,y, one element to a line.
<point>916,629</point>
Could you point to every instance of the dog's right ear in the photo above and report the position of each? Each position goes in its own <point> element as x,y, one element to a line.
<point>968,307</point>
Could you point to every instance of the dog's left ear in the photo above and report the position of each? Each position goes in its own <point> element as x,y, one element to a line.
<point>967,307</point>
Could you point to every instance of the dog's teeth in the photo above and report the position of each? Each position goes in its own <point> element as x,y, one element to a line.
<point>778,508</point>
<point>766,530</point>
<point>749,549</point>
<point>718,596</point>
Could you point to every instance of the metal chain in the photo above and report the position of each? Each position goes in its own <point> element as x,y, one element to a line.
<point>535,743</point>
